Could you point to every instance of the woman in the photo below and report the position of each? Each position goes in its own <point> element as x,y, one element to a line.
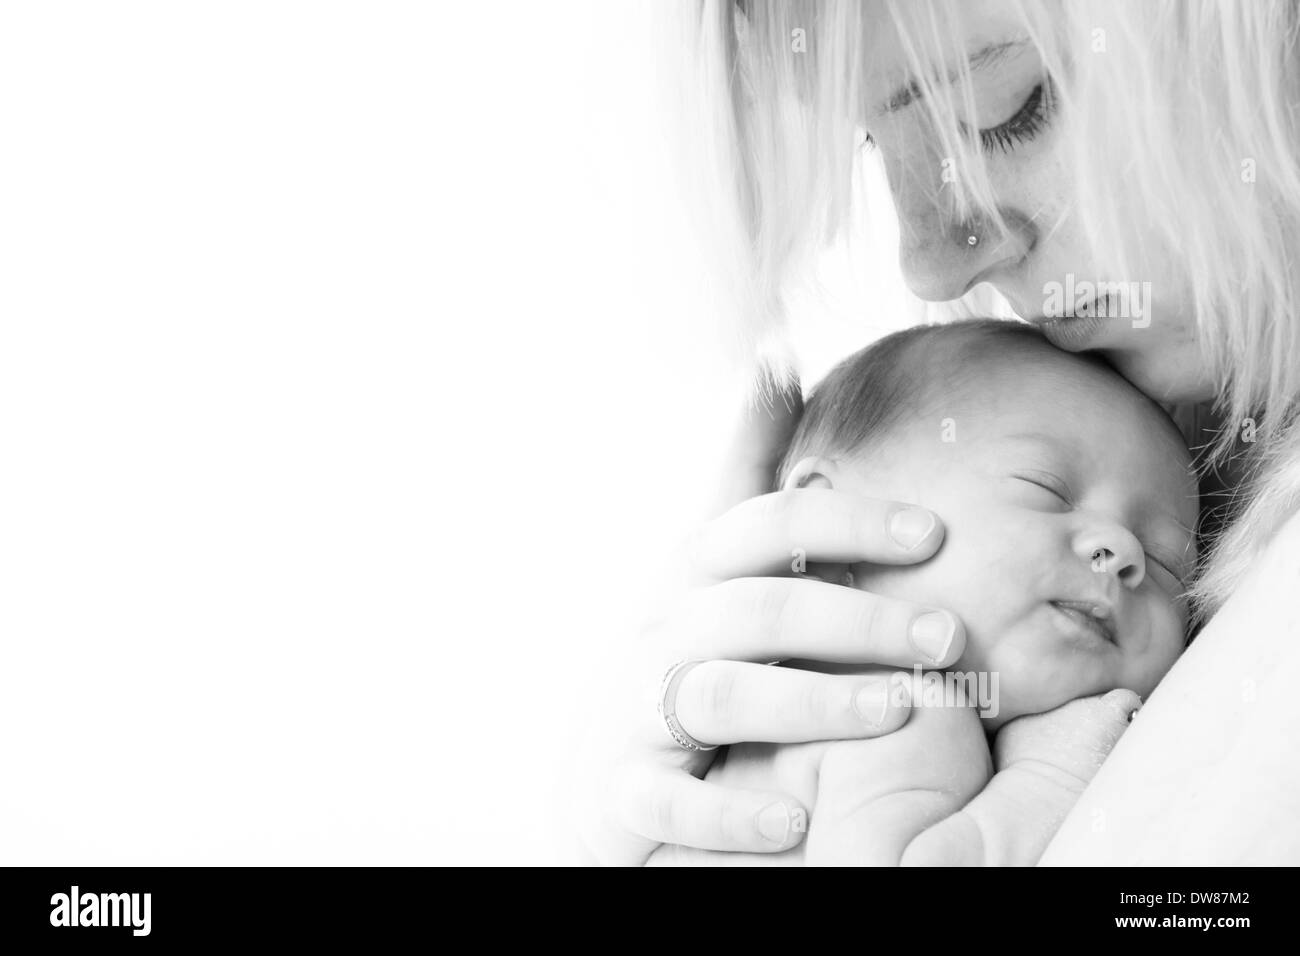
<point>1125,175</point>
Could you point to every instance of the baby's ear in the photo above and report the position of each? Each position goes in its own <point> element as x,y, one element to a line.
<point>815,472</point>
<point>818,473</point>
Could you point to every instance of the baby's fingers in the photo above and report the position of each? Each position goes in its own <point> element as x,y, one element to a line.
<point>1075,738</point>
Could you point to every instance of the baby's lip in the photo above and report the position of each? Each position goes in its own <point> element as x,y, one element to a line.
<point>1098,613</point>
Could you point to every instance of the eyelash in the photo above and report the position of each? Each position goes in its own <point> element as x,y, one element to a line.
<point>1167,567</point>
<point>1028,122</point>
<point>1050,485</point>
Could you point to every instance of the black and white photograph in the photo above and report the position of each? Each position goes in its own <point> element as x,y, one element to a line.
<point>620,433</point>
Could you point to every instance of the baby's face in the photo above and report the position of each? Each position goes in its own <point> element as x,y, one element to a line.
<point>1069,505</point>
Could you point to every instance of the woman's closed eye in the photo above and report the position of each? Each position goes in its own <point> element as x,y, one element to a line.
<point>1029,119</point>
<point>1023,125</point>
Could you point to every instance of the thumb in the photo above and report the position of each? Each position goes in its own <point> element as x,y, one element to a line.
<point>759,439</point>
<point>1124,702</point>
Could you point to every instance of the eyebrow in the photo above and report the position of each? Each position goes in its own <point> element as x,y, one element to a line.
<point>986,56</point>
<point>1037,438</point>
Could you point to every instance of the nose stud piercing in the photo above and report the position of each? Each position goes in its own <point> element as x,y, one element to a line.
<point>968,229</point>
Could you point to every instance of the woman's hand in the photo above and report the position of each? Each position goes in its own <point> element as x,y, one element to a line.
<point>735,614</point>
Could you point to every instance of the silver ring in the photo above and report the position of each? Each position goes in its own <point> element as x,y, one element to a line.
<point>668,708</point>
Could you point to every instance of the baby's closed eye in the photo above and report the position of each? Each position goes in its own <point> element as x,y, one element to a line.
<point>1042,490</point>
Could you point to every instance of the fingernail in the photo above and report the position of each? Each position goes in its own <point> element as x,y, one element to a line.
<point>774,823</point>
<point>932,634</point>
<point>871,701</point>
<point>1134,712</point>
<point>911,526</point>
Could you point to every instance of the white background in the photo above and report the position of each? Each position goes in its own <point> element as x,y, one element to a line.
<point>347,398</point>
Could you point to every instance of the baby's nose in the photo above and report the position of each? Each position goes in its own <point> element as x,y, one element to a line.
<point>1113,550</point>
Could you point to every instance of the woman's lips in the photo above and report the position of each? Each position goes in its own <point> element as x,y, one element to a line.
<point>1072,333</point>
<point>1092,618</point>
<point>1078,331</point>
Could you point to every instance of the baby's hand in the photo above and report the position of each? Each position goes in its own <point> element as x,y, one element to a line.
<point>1043,762</point>
<point>1072,740</point>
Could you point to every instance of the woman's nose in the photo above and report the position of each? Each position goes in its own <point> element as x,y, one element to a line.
<point>1113,550</point>
<point>942,256</point>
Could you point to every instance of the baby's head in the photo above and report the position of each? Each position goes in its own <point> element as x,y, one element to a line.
<point>1067,498</point>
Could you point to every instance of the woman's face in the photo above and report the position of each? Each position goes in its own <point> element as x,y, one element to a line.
<point>1042,264</point>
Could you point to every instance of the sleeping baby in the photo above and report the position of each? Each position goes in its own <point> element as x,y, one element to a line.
<point>1069,506</point>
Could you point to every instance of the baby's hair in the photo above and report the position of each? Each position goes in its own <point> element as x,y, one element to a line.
<point>867,394</point>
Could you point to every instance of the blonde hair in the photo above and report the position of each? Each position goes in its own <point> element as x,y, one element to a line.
<point>1183,99</point>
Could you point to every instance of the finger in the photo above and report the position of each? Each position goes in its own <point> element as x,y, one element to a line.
<point>767,619</point>
<point>1124,703</point>
<point>724,702</point>
<point>1102,721</point>
<point>777,532</point>
<point>830,572</point>
<point>670,854</point>
<point>669,806</point>
<point>1076,736</point>
<point>760,440</point>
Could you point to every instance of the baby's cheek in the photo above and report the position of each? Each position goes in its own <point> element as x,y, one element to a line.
<point>1165,645</point>
<point>1031,679</point>
<point>978,571</point>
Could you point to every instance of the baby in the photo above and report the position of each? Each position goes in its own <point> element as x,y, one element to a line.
<point>1069,505</point>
